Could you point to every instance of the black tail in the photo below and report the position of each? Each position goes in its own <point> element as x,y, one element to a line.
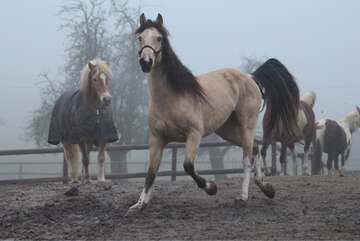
<point>281,96</point>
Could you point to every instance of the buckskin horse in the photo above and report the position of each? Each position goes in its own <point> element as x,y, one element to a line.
<point>334,138</point>
<point>184,108</point>
<point>82,118</point>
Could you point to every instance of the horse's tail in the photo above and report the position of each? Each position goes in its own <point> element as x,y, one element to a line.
<point>281,96</point>
<point>73,157</point>
<point>317,159</point>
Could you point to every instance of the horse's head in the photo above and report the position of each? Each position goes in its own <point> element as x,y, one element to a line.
<point>358,116</point>
<point>353,119</point>
<point>95,81</point>
<point>151,36</point>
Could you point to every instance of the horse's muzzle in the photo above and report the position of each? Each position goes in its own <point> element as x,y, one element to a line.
<point>146,65</point>
<point>106,100</point>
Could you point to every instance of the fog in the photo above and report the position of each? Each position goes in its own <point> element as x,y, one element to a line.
<point>317,40</point>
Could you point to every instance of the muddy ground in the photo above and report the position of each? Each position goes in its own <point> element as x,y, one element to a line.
<point>305,208</point>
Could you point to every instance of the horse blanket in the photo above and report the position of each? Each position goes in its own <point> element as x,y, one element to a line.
<point>72,121</point>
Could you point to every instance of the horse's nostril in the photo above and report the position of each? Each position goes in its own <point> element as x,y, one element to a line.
<point>146,65</point>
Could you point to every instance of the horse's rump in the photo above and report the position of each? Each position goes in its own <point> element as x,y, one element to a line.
<point>73,122</point>
<point>334,138</point>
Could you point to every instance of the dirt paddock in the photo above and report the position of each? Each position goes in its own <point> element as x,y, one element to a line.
<point>304,208</point>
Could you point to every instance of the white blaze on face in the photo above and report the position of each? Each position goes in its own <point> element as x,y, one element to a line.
<point>104,94</point>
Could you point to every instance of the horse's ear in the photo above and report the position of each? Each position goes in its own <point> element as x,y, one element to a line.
<point>142,19</point>
<point>91,65</point>
<point>358,109</point>
<point>159,19</point>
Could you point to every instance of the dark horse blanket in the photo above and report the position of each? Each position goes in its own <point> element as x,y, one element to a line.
<point>72,121</point>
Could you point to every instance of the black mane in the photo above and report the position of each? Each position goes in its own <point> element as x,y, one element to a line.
<point>179,77</point>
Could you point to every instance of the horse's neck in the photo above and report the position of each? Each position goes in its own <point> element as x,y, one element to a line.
<point>349,124</point>
<point>160,91</point>
<point>90,101</point>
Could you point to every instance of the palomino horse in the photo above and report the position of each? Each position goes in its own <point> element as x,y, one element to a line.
<point>82,118</point>
<point>334,138</point>
<point>184,108</point>
<point>306,124</point>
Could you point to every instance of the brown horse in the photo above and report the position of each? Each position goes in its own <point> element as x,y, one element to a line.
<point>184,108</point>
<point>82,118</point>
<point>306,124</point>
<point>334,138</point>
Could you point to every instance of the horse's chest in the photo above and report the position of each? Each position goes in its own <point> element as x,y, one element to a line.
<point>171,127</point>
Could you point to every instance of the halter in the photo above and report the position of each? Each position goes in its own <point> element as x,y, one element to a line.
<point>156,52</point>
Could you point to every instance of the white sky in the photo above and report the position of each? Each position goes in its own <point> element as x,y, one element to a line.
<point>317,40</point>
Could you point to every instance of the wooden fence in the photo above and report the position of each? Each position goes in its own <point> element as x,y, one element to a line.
<point>173,173</point>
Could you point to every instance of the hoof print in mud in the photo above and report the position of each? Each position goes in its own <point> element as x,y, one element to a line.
<point>210,188</point>
<point>239,203</point>
<point>105,185</point>
<point>74,191</point>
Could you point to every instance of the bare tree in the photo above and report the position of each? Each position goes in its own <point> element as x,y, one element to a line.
<point>250,64</point>
<point>104,29</point>
<point>130,102</point>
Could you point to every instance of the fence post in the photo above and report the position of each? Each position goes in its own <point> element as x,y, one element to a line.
<point>20,174</point>
<point>173,164</point>
<point>65,171</point>
<point>273,159</point>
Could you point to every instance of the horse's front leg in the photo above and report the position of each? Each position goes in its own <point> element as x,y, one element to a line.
<point>192,145</point>
<point>101,160</point>
<point>85,151</point>
<point>156,147</point>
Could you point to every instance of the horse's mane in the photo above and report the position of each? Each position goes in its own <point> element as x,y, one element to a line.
<point>309,98</point>
<point>179,77</point>
<point>84,78</point>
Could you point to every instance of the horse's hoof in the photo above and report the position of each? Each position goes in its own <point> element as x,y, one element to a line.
<point>268,190</point>
<point>239,203</point>
<point>210,188</point>
<point>73,191</point>
<point>134,209</point>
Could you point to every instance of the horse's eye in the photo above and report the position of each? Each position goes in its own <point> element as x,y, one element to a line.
<point>140,38</point>
<point>159,39</point>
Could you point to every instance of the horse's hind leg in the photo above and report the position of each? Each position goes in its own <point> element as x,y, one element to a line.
<point>85,161</point>
<point>283,158</point>
<point>294,158</point>
<point>330,163</point>
<point>263,157</point>
<point>101,160</point>
<point>305,164</point>
<point>192,145</point>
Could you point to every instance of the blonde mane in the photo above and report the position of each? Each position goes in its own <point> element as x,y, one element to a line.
<point>84,79</point>
<point>309,98</point>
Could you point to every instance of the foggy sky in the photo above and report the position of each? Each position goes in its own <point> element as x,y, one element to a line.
<point>317,40</point>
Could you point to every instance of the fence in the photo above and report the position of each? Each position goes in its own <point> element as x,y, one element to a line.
<point>173,173</point>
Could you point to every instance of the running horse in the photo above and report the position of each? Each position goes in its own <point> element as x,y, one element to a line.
<point>306,124</point>
<point>82,118</point>
<point>334,138</point>
<point>185,108</point>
